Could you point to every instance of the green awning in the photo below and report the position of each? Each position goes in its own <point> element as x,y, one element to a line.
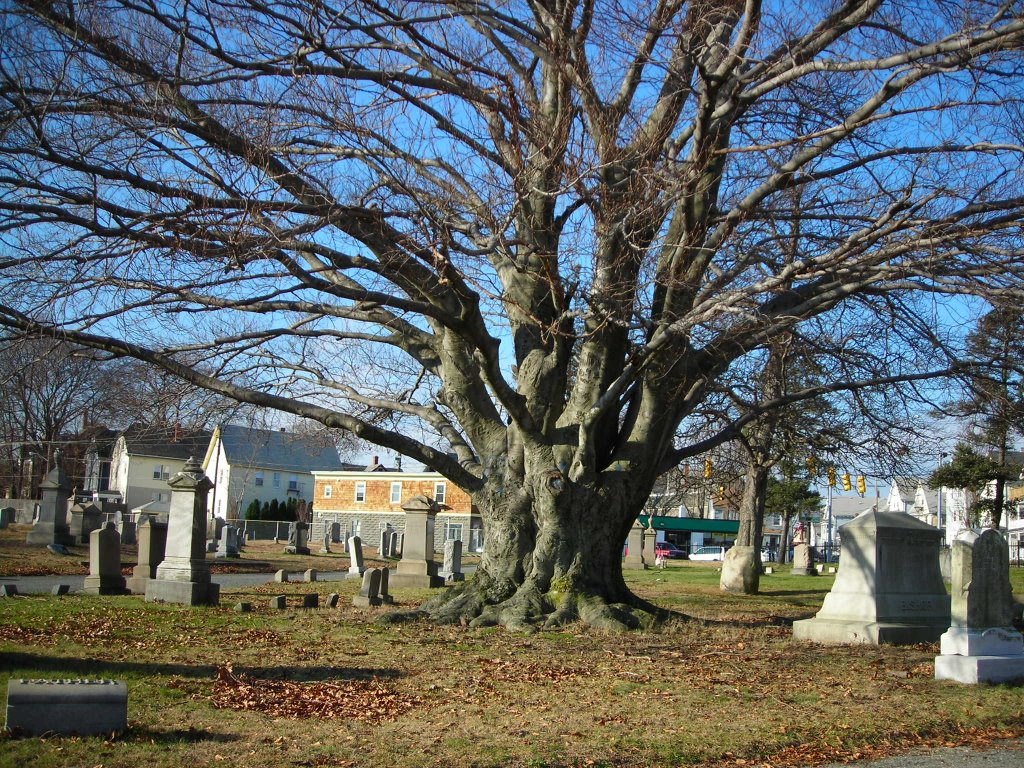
<point>692,524</point>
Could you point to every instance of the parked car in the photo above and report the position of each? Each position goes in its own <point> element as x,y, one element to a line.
<point>708,553</point>
<point>668,549</point>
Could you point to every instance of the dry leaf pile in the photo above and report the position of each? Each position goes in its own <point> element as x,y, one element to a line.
<point>369,701</point>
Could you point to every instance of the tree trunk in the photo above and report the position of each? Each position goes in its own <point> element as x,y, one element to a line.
<point>784,540</point>
<point>553,556</point>
<point>741,572</point>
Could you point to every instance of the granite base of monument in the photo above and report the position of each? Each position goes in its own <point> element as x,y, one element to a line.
<point>856,632</point>
<point>182,592</point>
<point>974,670</point>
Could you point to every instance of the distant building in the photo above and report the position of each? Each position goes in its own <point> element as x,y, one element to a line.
<point>144,458</point>
<point>366,501</point>
<point>247,464</point>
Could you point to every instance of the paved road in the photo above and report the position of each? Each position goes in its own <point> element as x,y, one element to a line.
<point>29,585</point>
<point>1008,754</point>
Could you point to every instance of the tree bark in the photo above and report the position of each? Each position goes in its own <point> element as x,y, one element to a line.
<point>553,556</point>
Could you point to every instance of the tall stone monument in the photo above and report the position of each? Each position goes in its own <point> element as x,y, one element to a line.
<point>981,645</point>
<point>355,554</point>
<point>634,560</point>
<point>184,575</point>
<point>417,567</point>
<point>51,527</point>
<point>152,545</point>
<point>105,562</point>
<point>888,588</point>
<point>451,566</point>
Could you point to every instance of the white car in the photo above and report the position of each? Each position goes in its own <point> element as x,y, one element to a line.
<point>708,553</point>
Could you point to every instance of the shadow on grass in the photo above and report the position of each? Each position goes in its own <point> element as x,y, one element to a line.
<point>139,735</point>
<point>795,592</point>
<point>98,667</point>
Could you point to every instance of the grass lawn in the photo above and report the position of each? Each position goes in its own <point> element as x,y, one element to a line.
<point>335,688</point>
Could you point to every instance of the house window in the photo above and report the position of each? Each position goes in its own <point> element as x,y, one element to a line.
<point>360,492</point>
<point>277,479</point>
<point>452,531</point>
<point>328,490</point>
<point>259,478</point>
<point>439,490</point>
<point>161,496</point>
<point>161,472</point>
<point>396,493</point>
<point>293,482</point>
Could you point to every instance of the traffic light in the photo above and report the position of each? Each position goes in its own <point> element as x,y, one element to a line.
<point>862,485</point>
<point>721,492</point>
<point>709,468</point>
<point>832,476</point>
<point>812,466</point>
<point>847,484</point>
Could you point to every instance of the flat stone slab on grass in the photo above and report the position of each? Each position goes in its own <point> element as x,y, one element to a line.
<point>68,707</point>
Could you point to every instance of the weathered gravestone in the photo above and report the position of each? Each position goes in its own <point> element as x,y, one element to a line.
<point>7,515</point>
<point>152,545</point>
<point>214,528</point>
<point>981,645</point>
<point>325,548</point>
<point>739,569</point>
<point>334,531</point>
<point>394,545</point>
<point>355,554</point>
<point>297,537</point>
<point>888,588</point>
<point>369,593</point>
<point>68,707</point>
<point>384,548</point>
<point>634,560</point>
<point>59,590</point>
<point>451,567</point>
<point>311,600</point>
<point>105,562</point>
<point>385,594</point>
<point>803,560</point>
<point>127,528</point>
<point>50,528</point>
<point>184,575</point>
<point>417,567</point>
<point>227,546</point>
<point>85,518</point>
<point>309,575</point>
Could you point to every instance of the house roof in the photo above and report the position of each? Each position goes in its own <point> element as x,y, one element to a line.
<point>277,450</point>
<point>165,442</point>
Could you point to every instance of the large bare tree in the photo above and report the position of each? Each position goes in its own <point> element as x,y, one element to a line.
<point>519,242</point>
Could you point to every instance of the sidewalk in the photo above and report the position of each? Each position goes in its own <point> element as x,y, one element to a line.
<point>1007,754</point>
<point>37,585</point>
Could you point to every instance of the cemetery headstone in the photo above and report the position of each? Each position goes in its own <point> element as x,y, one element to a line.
<point>369,593</point>
<point>395,544</point>
<point>325,548</point>
<point>227,547</point>
<point>355,554</point>
<point>184,575</point>
<point>311,600</point>
<point>60,590</point>
<point>9,590</point>
<point>384,548</point>
<point>243,607</point>
<point>309,575</point>
<point>67,707</point>
<point>214,528</point>
<point>803,560</point>
<point>7,516</point>
<point>105,562</point>
<point>451,567</point>
<point>51,526</point>
<point>981,645</point>
<point>888,588</point>
<point>85,518</point>
<point>634,560</point>
<point>417,567</point>
<point>333,599</point>
<point>281,576</point>
<point>385,593</point>
<point>334,531</point>
<point>279,602</point>
<point>297,537</point>
<point>152,544</point>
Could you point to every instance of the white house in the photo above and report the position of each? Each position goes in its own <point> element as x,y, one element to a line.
<point>263,464</point>
<point>144,458</point>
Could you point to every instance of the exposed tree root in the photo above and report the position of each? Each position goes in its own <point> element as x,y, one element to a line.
<point>529,609</point>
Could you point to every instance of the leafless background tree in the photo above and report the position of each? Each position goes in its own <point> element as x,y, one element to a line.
<point>534,235</point>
